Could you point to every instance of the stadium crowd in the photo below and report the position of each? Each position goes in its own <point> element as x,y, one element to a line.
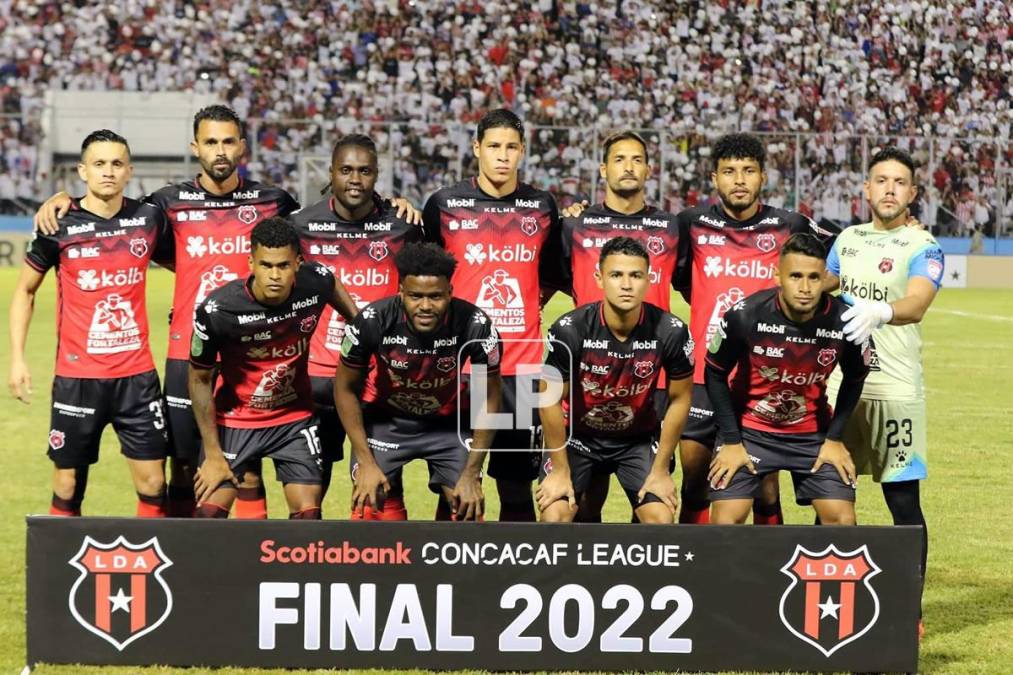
<point>418,75</point>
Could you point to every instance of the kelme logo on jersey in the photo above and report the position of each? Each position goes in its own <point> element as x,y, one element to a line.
<point>477,253</point>
<point>716,266</point>
<point>91,280</point>
<point>198,246</point>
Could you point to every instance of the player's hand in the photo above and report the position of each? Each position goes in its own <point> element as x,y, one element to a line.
<point>20,382</point>
<point>210,474</point>
<point>370,488</point>
<point>557,485</point>
<point>914,222</point>
<point>835,454</point>
<point>863,317</point>
<point>728,460</point>
<point>47,218</point>
<point>661,485</point>
<point>575,209</point>
<point>466,499</point>
<point>405,209</point>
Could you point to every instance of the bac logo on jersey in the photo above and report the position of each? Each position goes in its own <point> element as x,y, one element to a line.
<point>643,368</point>
<point>139,247</point>
<point>247,214</point>
<point>766,242</point>
<point>886,265</point>
<point>529,224</point>
<point>120,595</point>
<point>826,357</point>
<point>378,250</point>
<point>656,245</point>
<point>833,585</point>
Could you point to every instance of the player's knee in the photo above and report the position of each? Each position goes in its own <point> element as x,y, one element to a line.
<point>770,489</point>
<point>151,483</point>
<point>64,484</point>
<point>842,517</point>
<point>654,514</point>
<point>724,513</point>
<point>559,512</point>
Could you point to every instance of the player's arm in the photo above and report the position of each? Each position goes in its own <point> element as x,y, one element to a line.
<point>431,221</point>
<point>47,218</point>
<point>854,368</point>
<point>557,484</point>
<point>468,501</point>
<point>404,209</point>
<point>164,254</point>
<point>552,273</point>
<point>723,354</point>
<point>20,316</point>
<point>370,486</point>
<point>342,302</point>
<point>659,482</point>
<point>916,301</point>
<point>833,279</point>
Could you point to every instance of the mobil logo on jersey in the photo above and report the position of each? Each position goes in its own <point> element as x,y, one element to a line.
<point>829,601</point>
<point>121,594</point>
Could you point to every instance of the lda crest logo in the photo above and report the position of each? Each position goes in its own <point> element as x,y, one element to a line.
<point>120,595</point>
<point>830,601</point>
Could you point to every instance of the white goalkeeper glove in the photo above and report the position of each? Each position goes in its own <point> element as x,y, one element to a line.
<point>863,317</point>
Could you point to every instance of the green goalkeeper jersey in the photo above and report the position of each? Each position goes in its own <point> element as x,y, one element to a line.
<point>876,265</point>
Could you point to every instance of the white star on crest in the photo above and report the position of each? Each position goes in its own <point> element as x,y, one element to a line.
<point>120,601</point>
<point>828,608</point>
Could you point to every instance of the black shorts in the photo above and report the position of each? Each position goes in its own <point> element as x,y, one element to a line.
<point>395,441</point>
<point>788,452</point>
<point>515,453</point>
<point>631,462</point>
<point>294,447</point>
<point>82,407</point>
<point>701,425</point>
<point>184,436</point>
<point>332,434</point>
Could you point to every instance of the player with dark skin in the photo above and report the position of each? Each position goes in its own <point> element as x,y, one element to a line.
<point>274,273</point>
<point>425,300</point>
<point>800,279</point>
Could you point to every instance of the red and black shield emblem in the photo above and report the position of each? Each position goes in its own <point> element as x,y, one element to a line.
<point>656,245</point>
<point>643,368</point>
<point>886,265</point>
<point>308,323</point>
<point>56,439</point>
<point>529,225</point>
<point>377,250</point>
<point>830,602</point>
<point>766,242</point>
<point>826,356</point>
<point>547,467</point>
<point>139,247</point>
<point>446,363</point>
<point>120,595</point>
<point>247,213</point>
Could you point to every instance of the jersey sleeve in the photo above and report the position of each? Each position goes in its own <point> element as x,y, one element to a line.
<point>567,226</point>
<point>834,261</point>
<point>287,204</point>
<point>484,346</point>
<point>728,341</point>
<point>431,221</point>
<point>678,355</point>
<point>682,279</point>
<point>43,252</point>
<point>930,263</point>
<point>362,338</point>
<point>552,273</point>
<point>855,359</point>
<point>562,347</point>
<point>206,342</point>
<point>322,278</point>
<point>165,243</point>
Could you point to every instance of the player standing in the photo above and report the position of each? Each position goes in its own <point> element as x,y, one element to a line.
<point>731,252</point>
<point>417,342</point>
<point>779,346</point>
<point>614,353</point>
<point>356,235</point>
<point>892,272</point>
<point>104,369</point>
<point>505,235</point>
<point>260,327</point>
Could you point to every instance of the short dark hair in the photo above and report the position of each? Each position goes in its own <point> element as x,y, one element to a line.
<point>104,136</point>
<point>355,141</point>
<point>804,243</point>
<point>424,260</point>
<point>739,146</point>
<point>623,246</point>
<point>893,153</point>
<point>625,135</point>
<point>217,113</point>
<point>501,118</point>
<point>275,232</point>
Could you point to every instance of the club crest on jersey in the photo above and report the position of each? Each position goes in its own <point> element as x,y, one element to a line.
<point>120,595</point>
<point>247,213</point>
<point>834,585</point>
<point>826,356</point>
<point>766,242</point>
<point>529,225</point>
<point>547,467</point>
<point>643,368</point>
<point>656,245</point>
<point>886,265</point>
<point>57,439</point>
<point>377,250</point>
<point>446,363</point>
<point>139,247</point>
<point>308,323</point>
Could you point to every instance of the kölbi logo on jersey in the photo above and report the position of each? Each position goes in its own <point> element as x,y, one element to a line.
<point>716,265</point>
<point>121,594</point>
<point>199,246</point>
<point>537,385</point>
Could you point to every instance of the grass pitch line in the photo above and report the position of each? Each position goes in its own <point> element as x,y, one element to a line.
<point>972,315</point>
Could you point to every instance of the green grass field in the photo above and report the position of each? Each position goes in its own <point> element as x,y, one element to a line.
<point>968,499</point>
